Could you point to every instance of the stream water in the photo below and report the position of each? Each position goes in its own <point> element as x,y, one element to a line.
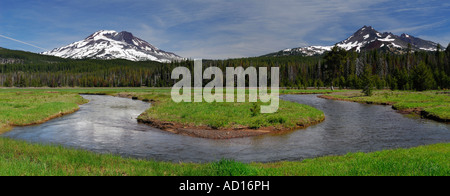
<point>108,125</point>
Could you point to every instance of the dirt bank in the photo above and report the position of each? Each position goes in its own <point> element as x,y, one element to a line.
<point>210,133</point>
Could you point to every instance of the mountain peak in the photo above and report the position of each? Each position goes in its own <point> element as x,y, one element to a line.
<point>102,33</point>
<point>404,35</point>
<point>366,28</point>
<point>367,38</point>
<point>110,44</point>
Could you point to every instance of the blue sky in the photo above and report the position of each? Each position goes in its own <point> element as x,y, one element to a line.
<point>218,29</point>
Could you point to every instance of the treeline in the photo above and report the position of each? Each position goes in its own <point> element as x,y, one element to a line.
<point>418,70</point>
<point>88,73</point>
<point>414,70</point>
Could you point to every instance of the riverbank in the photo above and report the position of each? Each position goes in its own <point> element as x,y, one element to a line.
<point>19,158</point>
<point>433,105</point>
<point>35,107</point>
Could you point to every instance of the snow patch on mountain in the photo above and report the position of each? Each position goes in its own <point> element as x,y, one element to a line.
<point>386,39</point>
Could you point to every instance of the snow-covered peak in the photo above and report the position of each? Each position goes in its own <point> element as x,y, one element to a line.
<point>103,33</point>
<point>109,44</point>
<point>367,38</point>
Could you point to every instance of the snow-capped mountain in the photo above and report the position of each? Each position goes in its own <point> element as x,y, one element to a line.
<point>366,38</point>
<point>113,45</point>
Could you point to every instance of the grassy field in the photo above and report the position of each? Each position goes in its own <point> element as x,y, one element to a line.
<point>433,103</point>
<point>19,158</point>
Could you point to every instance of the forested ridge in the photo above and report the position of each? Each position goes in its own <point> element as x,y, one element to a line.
<point>413,70</point>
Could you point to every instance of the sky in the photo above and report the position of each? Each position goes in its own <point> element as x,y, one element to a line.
<point>217,29</point>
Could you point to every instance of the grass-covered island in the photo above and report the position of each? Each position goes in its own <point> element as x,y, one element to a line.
<point>224,120</point>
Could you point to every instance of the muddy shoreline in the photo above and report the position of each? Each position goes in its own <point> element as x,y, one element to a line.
<point>210,133</point>
<point>415,111</point>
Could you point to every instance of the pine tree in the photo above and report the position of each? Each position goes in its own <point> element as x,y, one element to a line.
<point>422,78</point>
<point>367,81</point>
<point>335,61</point>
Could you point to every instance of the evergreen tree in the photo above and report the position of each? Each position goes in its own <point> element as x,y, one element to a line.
<point>335,61</point>
<point>367,81</point>
<point>422,78</point>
